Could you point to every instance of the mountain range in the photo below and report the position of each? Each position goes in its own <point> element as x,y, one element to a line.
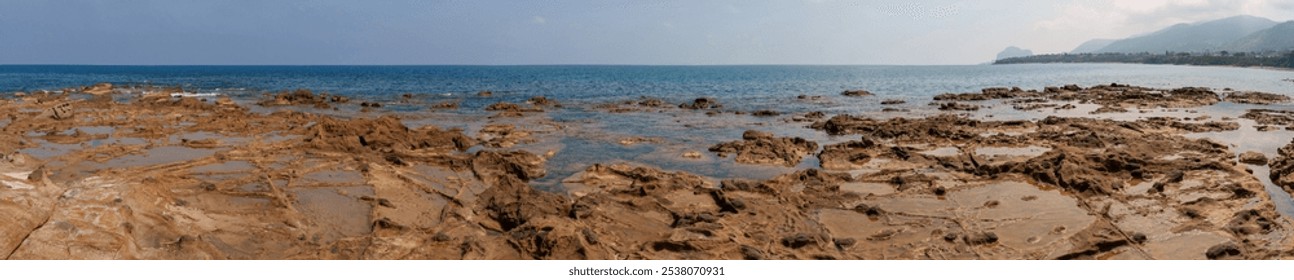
<point>1093,45</point>
<point>1235,34</point>
<point>1276,38</point>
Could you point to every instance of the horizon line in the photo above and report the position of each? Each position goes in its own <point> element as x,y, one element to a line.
<point>484,65</point>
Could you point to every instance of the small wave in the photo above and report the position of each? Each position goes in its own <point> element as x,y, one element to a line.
<point>194,94</point>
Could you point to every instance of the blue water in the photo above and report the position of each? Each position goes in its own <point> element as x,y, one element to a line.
<point>744,86</point>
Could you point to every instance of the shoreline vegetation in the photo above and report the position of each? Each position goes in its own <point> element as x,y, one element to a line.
<point>1283,60</point>
<point>119,172</point>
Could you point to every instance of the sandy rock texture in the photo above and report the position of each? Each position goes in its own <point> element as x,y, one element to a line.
<point>103,174</point>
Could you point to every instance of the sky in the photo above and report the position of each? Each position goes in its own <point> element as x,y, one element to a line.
<point>671,32</point>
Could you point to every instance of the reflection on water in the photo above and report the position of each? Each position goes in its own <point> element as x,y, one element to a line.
<point>578,154</point>
<point>1248,138</point>
<point>1284,202</point>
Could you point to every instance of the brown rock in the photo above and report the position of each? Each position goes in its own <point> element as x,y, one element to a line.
<point>513,204</point>
<point>99,89</point>
<point>954,106</point>
<point>543,101</point>
<point>490,165</point>
<point>798,240</point>
<point>651,102</point>
<point>856,93</point>
<point>1223,251</point>
<point>1282,165</point>
<point>847,155</point>
<point>445,105</point>
<point>1270,116</point>
<point>1254,158</point>
<point>1210,126</point>
<point>702,103</point>
<point>201,143</point>
<point>385,133</point>
<point>62,111</point>
<point>980,238</point>
<point>763,148</point>
<point>504,106</point>
<point>893,102</point>
<point>1253,97</point>
<point>943,126</point>
<point>301,97</point>
<point>503,135</point>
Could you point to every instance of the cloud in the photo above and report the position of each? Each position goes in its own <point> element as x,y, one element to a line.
<point>540,20</point>
<point>917,11</point>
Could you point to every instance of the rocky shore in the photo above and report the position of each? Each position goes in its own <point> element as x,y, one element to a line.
<point>104,172</point>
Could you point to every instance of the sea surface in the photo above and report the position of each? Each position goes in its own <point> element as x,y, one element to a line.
<point>747,87</point>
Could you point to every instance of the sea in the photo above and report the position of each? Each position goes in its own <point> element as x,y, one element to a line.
<point>745,87</point>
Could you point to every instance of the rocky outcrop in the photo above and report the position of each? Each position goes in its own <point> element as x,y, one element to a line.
<point>1282,165</point>
<point>303,97</point>
<point>764,148</point>
<point>846,155</point>
<point>1110,97</point>
<point>856,93</point>
<point>1252,157</point>
<point>1254,97</point>
<point>699,103</point>
<point>384,134</point>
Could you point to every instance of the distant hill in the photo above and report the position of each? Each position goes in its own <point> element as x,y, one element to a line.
<point>1197,37</point>
<point>1276,38</point>
<point>1283,60</point>
<point>1250,41</point>
<point>1092,45</point>
<point>1013,51</point>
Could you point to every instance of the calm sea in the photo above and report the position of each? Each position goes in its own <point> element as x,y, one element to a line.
<point>751,87</point>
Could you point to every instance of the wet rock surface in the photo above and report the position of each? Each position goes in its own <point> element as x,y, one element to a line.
<point>1123,177</point>
<point>1190,125</point>
<point>1282,165</point>
<point>764,148</point>
<point>954,106</point>
<point>541,101</point>
<point>1112,97</point>
<point>149,177</point>
<point>1254,158</point>
<point>642,104</point>
<point>1253,97</point>
<point>856,93</point>
<point>1270,117</point>
<point>700,103</point>
<point>445,105</point>
<point>303,97</point>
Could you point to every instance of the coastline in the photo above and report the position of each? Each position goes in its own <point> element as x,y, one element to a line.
<point>1103,172</point>
<point>1283,69</point>
<point>1282,62</point>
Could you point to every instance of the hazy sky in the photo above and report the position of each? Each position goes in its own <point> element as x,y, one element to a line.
<point>577,32</point>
